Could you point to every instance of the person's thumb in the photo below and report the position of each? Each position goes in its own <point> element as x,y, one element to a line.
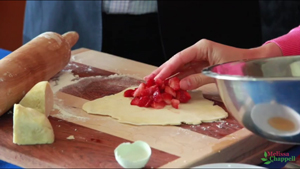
<point>194,81</point>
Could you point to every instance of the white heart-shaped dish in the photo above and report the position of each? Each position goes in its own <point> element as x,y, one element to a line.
<point>135,155</point>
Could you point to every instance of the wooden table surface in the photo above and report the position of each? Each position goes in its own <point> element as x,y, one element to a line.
<point>97,136</point>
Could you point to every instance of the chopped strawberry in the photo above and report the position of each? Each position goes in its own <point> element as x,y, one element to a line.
<point>160,83</point>
<point>144,101</point>
<point>150,82</point>
<point>158,105</point>
<point>157,94</point>
<point>170,91</point>
<point>145,92</point>
<point>157,97</point>
<point>155,88</point>
<point>129,93</point>
<point>183,96</point>
<point>167,82</point>
<point>135,101</point>
<point>138,91</point>
<point>175,103</point>
<point>149,103</point>
<point>149,91</point>
<point>167,98</point>
<point>174,83</point>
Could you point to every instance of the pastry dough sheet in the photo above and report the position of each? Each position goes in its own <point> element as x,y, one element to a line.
<point>196,111</point>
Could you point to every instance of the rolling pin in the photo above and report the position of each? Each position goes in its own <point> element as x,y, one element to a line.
<point>38,60</point>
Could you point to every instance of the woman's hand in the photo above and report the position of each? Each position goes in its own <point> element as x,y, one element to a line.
<point>189,63</point>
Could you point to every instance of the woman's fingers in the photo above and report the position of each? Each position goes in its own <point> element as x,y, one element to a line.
<point>172,65</point>
<point>155,72</point>
<point>151,76</point>
<point>194,68</point>
<point>194,81</point>
<point>197,52</point>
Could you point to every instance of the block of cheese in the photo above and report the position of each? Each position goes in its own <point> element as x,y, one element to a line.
<point>39,97</point>
<point>31,127</point>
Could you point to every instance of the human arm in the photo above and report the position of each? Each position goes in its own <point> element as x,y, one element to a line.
<point>289,43</point>
<point>190,62</point>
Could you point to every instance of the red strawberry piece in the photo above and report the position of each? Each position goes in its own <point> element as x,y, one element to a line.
<point>138,91</point>
<point>167,97</point>
<point>174,83</point>
<point>146,92</point>
<point>175,103</point>
<point>158,105</point>
<point>183,96</point>
<point>160,83</point>
<point>148,104</point>
<point>149,91</point>
<point>150,82</point>
<point>135,101</point>
<point>157,97</point>
<point>155,88</point>
<point>144,101</point>
<point>170,91</point>
<point>167,82</point>
<point>129,93</point>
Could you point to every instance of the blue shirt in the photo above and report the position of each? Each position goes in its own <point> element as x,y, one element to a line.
<point>64,16</point>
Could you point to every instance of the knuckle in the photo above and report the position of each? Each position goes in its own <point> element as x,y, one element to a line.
<point>204,42</point>
<point>204,48</point>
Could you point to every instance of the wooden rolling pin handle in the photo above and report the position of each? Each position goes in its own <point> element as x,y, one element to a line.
<point>71,38</point>
<point>38,60</point>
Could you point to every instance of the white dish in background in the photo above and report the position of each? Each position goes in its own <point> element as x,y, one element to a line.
<point>135,155</point>
<point>261,114</point>
<point>228,165</point>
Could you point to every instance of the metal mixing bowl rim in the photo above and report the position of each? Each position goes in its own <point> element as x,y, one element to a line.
<point>208,72</point>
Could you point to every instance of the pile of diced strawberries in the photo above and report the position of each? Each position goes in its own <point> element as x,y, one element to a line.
<point>157,94</point>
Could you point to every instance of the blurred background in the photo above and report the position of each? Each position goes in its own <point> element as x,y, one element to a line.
<point>11,24</point>
<point>277,18</point>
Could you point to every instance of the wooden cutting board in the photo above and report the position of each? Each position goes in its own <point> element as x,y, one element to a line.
<point>96,137</point>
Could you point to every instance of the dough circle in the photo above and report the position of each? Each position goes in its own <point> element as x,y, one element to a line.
<point>196,111</point>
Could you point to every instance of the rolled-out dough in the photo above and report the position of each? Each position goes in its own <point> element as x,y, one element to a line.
<point>31,127</point>
<point>197,110</point>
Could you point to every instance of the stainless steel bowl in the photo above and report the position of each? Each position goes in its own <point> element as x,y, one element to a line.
<point>263,95</point>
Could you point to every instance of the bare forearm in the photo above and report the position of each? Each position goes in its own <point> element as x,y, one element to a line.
<point>265,51</point>
<point>286,45</point>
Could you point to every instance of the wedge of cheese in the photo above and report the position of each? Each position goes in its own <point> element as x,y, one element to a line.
<point>31,127</point>
<point>39,97</point>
